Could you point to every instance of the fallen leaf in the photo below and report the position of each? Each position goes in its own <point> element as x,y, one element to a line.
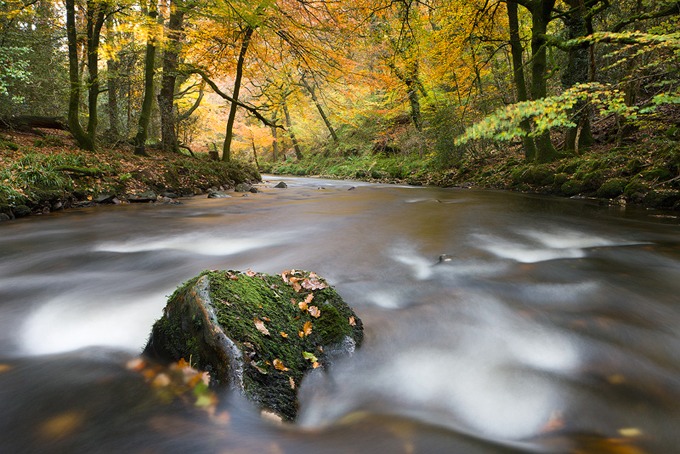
<point>250,272</point>
<point>278,365</point>
<point>630,432</point>
<point>555,422</point>
<point>62,425</point>
<point>302,305</point>
<point>259,324</point>
<point>314,311</point>
<point>291,381</point>
<point>284,335</point>
<point>309,298</point>
<point>161,381</point>
<point>136,364</point>
<point>352,321</point>
<point>309,356</point>
<point>315,365</point>
<point>307,328</point>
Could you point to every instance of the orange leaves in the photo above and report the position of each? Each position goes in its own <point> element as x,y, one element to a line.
<point>299,280</point>
<point>306,329</point>
<point>278,365</point>
<point>314,311</point>
<point>259,324</point>
<point>352,321</point>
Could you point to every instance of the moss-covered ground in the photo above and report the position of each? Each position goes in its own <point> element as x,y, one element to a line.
<point>41,174</point>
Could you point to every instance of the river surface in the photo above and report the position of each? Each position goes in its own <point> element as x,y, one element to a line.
<point>494,322</point>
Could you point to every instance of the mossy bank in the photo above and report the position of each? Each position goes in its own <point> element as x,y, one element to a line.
<point>255,332</point>
<point>49,174</point>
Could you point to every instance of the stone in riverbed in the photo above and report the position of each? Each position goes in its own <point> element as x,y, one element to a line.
<point>257,333</point>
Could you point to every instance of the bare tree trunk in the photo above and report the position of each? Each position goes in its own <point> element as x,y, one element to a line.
<point>517,50</point>
<point>540,17</point>
<point>112,83</point>
<point>291,134</point>
<point>166,97</point>
<point>82,138</point>
<point>147,102</point>
<point>229,134</point>
<point>95,21</point>
<point>252,141</point>
<point>275,142</point>
<point>576,72</point>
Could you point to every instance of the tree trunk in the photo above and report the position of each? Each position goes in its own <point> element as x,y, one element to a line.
<point>166,97</point>
<point>252,141</point>
<point>82,139</point>
<point>147,102</point>
<point>229,133</point>
<point>540,17</point>
<point>575,73</point>
<point>112,84</point>
<point>291,134</point>
<point>95,21</point>
<point>275,142</point>
<point>324,117</point>
<point>517,50</point>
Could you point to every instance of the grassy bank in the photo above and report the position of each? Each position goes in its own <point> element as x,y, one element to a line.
<point>42,174</point>
<point>644,173</point>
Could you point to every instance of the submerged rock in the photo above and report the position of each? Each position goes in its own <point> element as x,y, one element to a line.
<point>257,333</point>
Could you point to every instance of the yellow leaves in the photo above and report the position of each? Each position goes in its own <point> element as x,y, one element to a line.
<point>278,365</point>
<point>306,329</point>
<point>284,334</point>
<point>259,324</point>
<point>62,425</point>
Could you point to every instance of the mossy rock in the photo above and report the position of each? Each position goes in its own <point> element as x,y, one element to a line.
<point>257,333</point>
<point>571,188</point>
<point>636,191</point>
<point>611,189</point>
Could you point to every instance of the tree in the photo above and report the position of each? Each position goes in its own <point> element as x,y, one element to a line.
<point>166,97</point>
<point>149,66</point>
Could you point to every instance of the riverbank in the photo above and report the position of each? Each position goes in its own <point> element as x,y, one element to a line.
<point>40,174</point>
<point>645,172</point>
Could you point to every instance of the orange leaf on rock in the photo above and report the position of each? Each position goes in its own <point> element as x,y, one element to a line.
<point>302,305</point>
<point>278,365</point>
<point>284,334</point>
<point>314,311</point>
<point>307,328</point>
<point>250,272</point>
<point>352,321</point>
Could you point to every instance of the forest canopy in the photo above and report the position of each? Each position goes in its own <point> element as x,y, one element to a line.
<point>281,79</point>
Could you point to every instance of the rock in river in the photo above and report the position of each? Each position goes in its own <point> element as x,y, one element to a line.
<point>257,333</point>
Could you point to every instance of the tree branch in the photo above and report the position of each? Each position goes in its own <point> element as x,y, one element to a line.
<point>669,11</point>
<point>253,110</point>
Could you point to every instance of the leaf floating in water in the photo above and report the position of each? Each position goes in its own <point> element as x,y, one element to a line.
<point>5,368</point>
<point>278,365</point>
<point>62,425</point>
<point>259,324</point>
<point>630,432</point>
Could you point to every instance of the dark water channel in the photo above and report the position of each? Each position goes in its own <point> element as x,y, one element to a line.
<point>551,326</point>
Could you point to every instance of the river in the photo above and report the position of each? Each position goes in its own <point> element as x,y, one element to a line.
<point>494,322</point>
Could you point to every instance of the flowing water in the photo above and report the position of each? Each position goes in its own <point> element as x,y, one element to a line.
<point>494,322</point>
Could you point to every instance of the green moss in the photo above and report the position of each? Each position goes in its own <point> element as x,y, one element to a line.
<point>571,188</point>
<point>612,188</point>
